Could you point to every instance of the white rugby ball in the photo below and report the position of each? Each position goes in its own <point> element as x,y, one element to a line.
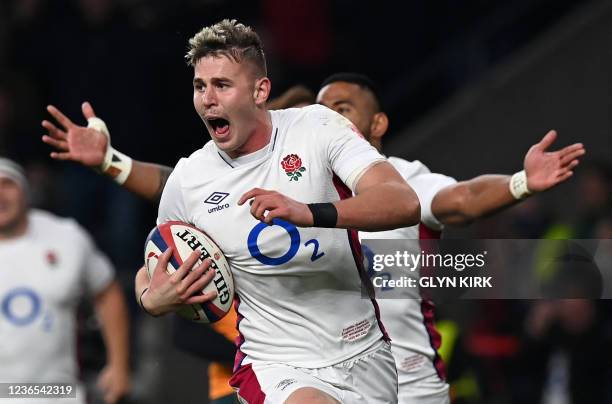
<point>184,238</point>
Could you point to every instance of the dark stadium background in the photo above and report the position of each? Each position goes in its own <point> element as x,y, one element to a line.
<point>469,86</point>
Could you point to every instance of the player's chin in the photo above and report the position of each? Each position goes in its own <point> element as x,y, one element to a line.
<point>226,144</point>
<point>8,220</point>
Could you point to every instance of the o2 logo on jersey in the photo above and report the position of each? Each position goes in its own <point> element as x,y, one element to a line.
<point>294,245</point>
<point>21,306</point>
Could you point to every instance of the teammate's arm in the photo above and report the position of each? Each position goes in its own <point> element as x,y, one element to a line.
<point>88,146</point>
<point>383,201</point>
<point>110,306</point>
<point>147,180</point>
<point>465,201</point>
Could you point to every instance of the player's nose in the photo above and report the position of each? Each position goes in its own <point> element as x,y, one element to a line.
<point>209,97</point>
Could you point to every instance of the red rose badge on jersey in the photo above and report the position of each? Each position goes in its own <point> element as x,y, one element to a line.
<point>292,164</point>
<point>51,258</point>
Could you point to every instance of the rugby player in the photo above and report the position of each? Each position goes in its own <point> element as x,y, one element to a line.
<point>444,201</point>
<point>48,265</point>
<point>306,333</point>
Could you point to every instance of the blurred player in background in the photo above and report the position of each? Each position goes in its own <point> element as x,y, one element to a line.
<point>444,201</point>
<point>306,343</point>
<point>48,265</point>
<point>218,348</point>
<point>295,97</point>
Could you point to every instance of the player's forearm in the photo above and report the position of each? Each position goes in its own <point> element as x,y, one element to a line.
<point>147,180</point>
<point>140,283</point>
<point>112,312</point>
<point>461,203</point>
<point>386,206</point>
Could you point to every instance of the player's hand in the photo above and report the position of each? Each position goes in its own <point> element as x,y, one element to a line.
<point>73,142</point>
<point>546,169</point>
<point>114,382</point>
<point>278,206</point>
<point>168,293</point>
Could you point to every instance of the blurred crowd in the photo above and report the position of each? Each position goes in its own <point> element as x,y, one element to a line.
<point>126,58</point>
<point>540,351</point>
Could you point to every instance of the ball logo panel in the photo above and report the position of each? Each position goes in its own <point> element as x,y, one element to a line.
<point>184,239</point>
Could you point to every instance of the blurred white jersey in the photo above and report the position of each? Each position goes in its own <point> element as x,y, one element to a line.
<point>43,274</point>
<point>409,320</point>
<point>299,290</point>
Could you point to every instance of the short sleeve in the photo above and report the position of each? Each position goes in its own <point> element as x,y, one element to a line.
<point>348,153</point>
<point>426,187</point>
<point>172,203</point>
<point>408,169</point>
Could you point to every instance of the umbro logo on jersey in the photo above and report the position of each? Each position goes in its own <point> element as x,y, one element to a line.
<point>215,199</point>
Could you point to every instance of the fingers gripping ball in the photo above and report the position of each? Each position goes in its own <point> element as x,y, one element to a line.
<point>183,238</point>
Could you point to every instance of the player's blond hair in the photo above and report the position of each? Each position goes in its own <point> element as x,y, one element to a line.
<point>228,38</point>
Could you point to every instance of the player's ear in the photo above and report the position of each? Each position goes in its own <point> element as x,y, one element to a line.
<point>379,126</point>
<point>262,90</point>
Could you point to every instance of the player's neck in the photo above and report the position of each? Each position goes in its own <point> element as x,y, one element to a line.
<point>376,143</point>
<point>14,230</point>
<point>258,138</point>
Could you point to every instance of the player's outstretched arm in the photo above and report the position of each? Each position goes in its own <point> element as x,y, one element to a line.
<point>383,201</point>
<point>91,147</point>
<point>111,308</point>
<point>466,201</point>
<point>167,293</point>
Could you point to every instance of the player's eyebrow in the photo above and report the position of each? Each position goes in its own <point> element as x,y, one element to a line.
<point>336,103</point>
<point>340,102</point>
<point>214,80</point>
<point>217,80</point>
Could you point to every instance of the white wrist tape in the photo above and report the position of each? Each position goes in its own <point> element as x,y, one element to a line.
<point>518,185</point>
<point>116,164</point>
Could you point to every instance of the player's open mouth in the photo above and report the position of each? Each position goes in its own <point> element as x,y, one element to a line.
<point>219,126</point>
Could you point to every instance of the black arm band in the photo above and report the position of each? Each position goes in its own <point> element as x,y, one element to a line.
<point>324,214</point>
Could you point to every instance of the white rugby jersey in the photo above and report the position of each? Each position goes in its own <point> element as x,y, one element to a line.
<point>43,274</point>
<point>298,289</point>
<point>409,320</point>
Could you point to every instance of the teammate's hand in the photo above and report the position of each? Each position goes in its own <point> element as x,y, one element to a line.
<point>278,206</point>
<point>168,293</point>
<point>73,142</point>
<point>546,169</point>
<point>114,382</point>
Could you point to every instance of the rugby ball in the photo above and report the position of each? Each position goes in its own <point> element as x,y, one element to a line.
<point>184,238</point>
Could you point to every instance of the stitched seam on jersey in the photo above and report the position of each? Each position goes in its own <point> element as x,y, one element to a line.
<point>226,162</point>
<point>274,142</point>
